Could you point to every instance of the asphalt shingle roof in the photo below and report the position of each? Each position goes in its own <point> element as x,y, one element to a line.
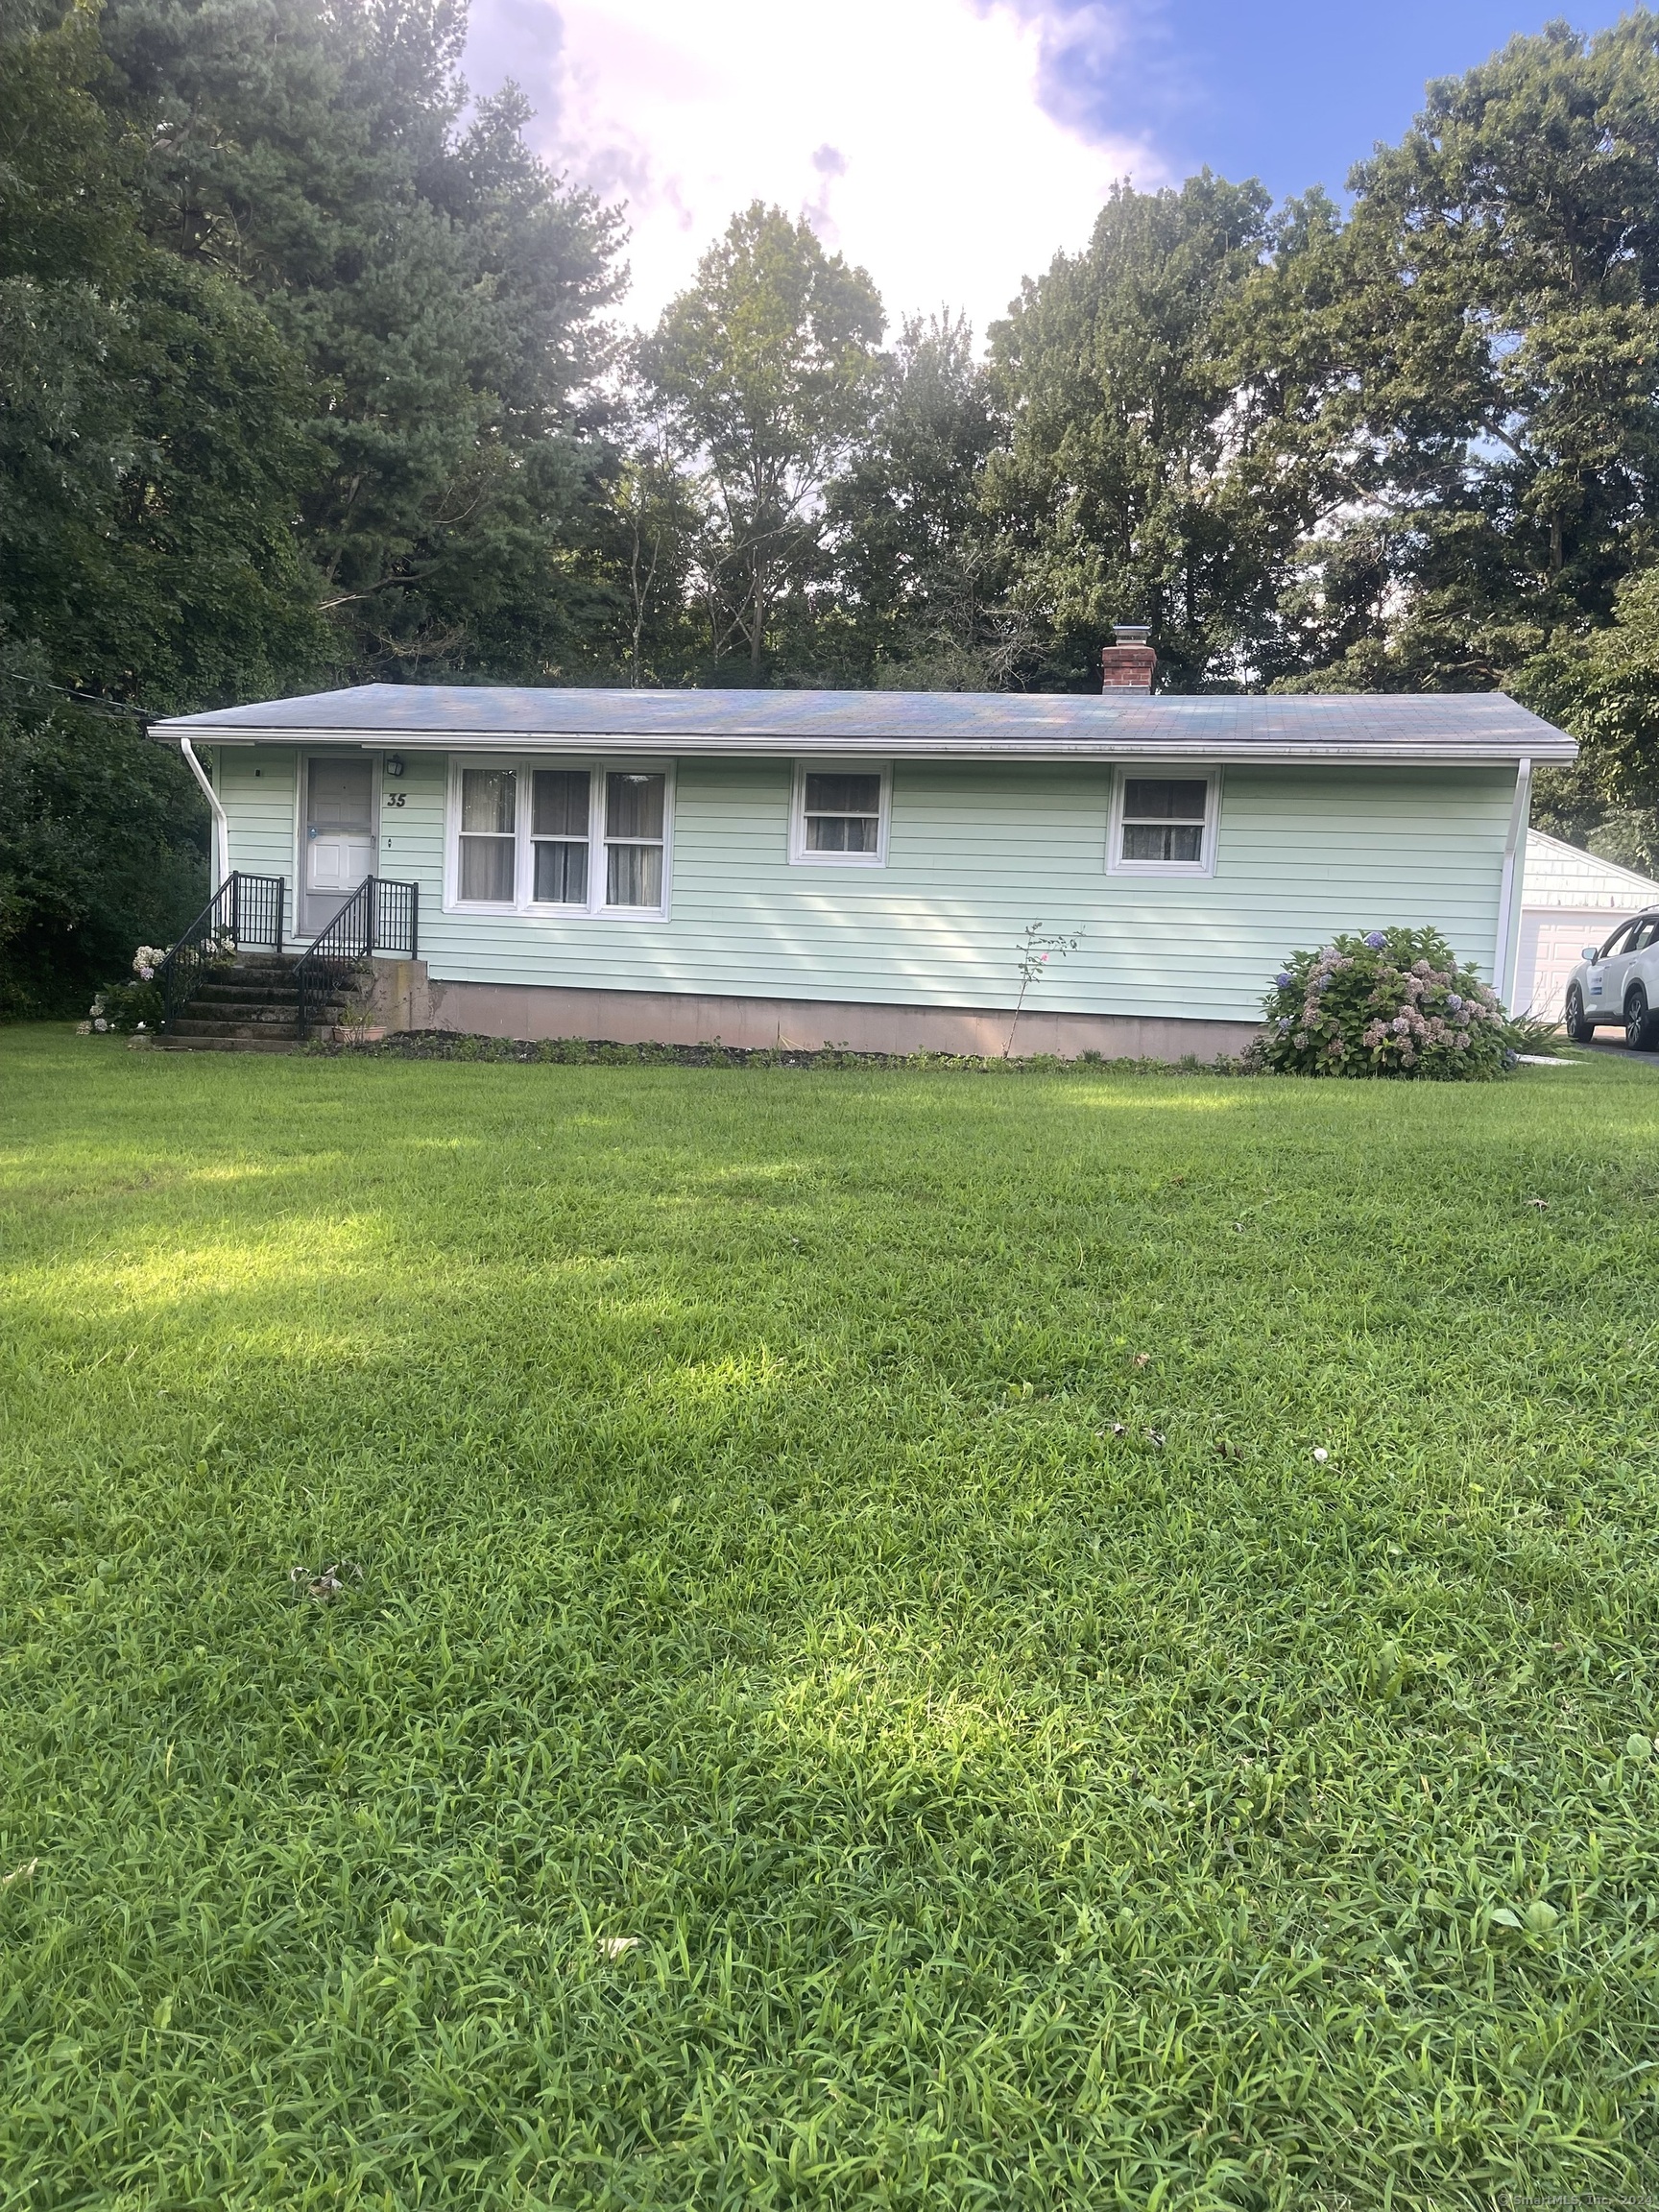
<point>1461,726</point>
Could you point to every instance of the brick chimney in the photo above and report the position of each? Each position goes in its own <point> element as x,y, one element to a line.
<point>1128,665</point>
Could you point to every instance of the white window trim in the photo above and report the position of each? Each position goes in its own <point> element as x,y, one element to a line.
<point>524,766</point>
<point>799,856</point>
<point>1184,772</point>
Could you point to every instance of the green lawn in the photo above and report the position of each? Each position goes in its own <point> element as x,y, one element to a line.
<point>1000,1812</point>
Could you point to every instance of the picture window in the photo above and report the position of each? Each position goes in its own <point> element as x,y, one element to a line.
<point>584,839</point>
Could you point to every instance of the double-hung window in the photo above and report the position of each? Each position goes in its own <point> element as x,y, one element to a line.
<point>1164,824</point>
<point>634,840</point>
<point>560,803</point>
<point>839,816</point>
<point>586,839</point>
<point>489,839</point>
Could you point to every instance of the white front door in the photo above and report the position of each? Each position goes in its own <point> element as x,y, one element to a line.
<point>339,836</point>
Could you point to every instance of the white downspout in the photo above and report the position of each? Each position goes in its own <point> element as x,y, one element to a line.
<point>221,855</point>
<point>1512,886</point>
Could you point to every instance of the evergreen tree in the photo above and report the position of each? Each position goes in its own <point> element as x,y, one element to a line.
<point>297,375</point>
<point>152,457</point>
<point>442,290</point>
<point>150,464</point>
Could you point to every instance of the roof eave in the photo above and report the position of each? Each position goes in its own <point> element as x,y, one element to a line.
<point>1550,749</point>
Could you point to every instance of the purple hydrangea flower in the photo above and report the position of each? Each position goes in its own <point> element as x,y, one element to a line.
<point>1283,978</point>
<point>1376,939</point>
<point>1453,1004</point>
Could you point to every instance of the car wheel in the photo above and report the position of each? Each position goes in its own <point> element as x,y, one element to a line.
<point>1640,1031</point>
<point>1580,1030</point>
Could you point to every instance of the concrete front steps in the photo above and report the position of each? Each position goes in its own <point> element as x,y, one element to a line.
<point>252,1005</point>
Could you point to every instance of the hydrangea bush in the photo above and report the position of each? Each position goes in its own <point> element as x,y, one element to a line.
<point>1391,1002</point>
<point>135,1005</point>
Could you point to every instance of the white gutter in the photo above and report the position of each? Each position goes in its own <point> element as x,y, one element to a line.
<point>659,745</point>
<point>221,853</point>
<point>1510,894</point>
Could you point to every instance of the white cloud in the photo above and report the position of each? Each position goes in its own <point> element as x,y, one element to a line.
<point>913,133</point>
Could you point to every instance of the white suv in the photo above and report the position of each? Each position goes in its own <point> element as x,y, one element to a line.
<point>1618,983</point>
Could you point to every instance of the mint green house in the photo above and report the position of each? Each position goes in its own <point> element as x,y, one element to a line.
<point>809,868</point>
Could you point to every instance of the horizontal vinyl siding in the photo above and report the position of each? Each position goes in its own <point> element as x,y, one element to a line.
<point>412,839</point>
<point>259,808</point>
<point>976,852</point>
<point>258,788</point>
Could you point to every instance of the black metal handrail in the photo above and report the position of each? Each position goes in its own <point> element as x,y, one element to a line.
<point>245,910</point>
<point>380,916</point>
<point>397,917</point>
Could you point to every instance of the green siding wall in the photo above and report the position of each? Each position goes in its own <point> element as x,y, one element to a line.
<point>976,852</point>
<point>255,787</point>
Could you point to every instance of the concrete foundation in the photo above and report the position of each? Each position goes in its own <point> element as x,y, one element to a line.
<point>404,997</point>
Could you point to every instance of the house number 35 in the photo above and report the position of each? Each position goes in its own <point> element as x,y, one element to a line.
<point>394,797</point>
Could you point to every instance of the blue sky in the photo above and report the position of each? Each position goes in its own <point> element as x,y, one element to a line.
<point>1292,91</point>
<point>953,146</point>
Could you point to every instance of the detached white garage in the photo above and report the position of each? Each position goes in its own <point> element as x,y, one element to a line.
<point>1569,900</point>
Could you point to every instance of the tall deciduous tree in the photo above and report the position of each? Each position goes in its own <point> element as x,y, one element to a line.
<point>1489,334</point>
<point>1127,490</point>
<point>1605,689</point>
<point>766,364</point>
<point>918,585</point>
<point>652,521</point>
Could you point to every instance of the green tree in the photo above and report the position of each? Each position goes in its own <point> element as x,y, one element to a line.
<point>150,469</point>
<point>297,374</point>
<point>765,366</point>
<point>148,442</point>
<point>1130,487</point>
<point>1605,689</point>
<point>650,521</point>
<point>917,580</point>
<point>443,291</point>
<point>103,846</point>
<point>1485,352</point>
